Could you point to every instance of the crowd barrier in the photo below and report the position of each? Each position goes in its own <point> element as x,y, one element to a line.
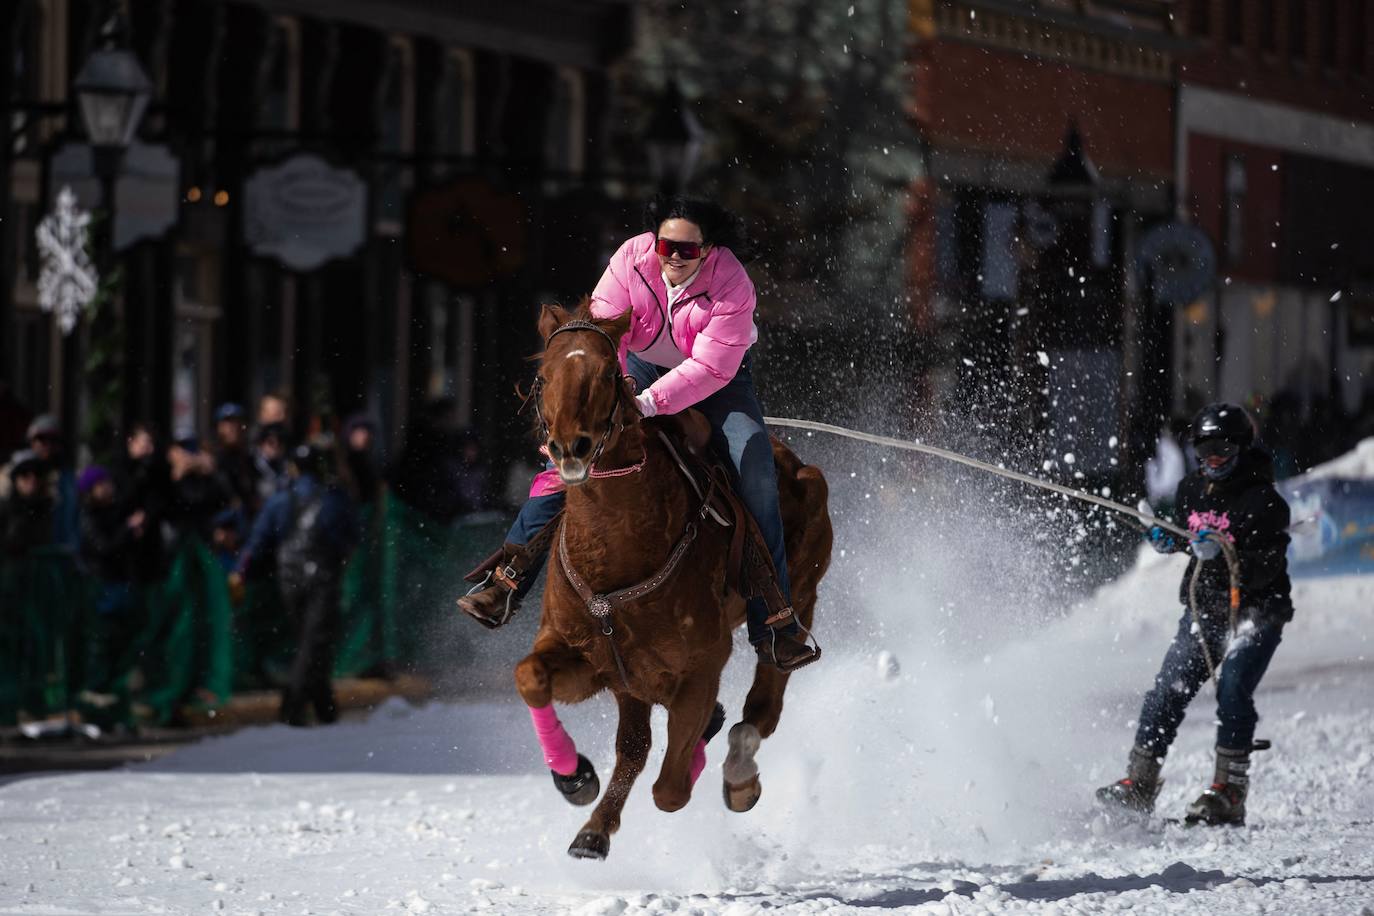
<point>1333,532</point>
<point>128,654</point>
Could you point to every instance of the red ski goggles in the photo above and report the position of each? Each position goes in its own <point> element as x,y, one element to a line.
<point>688,251</point>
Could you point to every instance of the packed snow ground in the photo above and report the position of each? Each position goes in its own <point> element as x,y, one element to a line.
<point>940,759</point>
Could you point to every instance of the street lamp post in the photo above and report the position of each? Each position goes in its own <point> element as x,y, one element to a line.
<point>112,93</point>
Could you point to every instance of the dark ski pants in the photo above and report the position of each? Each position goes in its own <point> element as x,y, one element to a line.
<point>737,433</point>
<point>316,614</point>
<point>1242,661</point>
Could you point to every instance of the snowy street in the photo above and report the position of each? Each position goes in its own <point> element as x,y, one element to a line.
<point>963,784</point>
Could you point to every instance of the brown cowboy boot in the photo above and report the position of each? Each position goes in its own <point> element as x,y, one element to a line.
<point>492,601</point>
<point>786,651</point>
<point>783,650</point>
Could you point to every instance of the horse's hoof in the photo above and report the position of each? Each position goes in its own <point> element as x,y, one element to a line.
<point>582,786</point>
<point>743,797</point>
<point>589,845</point>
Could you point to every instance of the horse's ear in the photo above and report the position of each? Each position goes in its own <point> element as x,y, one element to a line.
<point>617,326</point>
<point>552,317</point>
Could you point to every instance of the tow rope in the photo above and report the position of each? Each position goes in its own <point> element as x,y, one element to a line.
<point>1144,519</point>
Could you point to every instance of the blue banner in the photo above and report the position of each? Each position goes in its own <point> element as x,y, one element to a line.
<point>1333,526</point>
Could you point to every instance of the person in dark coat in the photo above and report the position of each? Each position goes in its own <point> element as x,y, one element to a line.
<point>234,459</point>
<point>197,493</point>
<point>360,451</point>
<point>1229,497</point>
<point>44,436</point>
<point>309,530</point>
<point>107,539</point>
<point>143,488</point>
<point>26,514</point>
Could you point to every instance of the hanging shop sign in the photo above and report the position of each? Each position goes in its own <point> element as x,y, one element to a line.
<point>147,188</point>
<point>304,212</point>
<point>467,233</point>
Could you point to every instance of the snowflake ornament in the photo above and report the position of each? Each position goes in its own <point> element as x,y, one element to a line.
<point>67,280</point>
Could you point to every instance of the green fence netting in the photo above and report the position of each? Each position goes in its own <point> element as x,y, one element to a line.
<point>120,652</point>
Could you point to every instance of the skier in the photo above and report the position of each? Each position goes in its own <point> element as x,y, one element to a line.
<point>1231,495</point>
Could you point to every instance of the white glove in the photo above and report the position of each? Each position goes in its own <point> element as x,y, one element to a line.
<point>645,400</point>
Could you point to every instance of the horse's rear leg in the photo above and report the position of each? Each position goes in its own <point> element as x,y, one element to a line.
<point>762,710</point>
<point>689,714</point>
<point>632,740</point>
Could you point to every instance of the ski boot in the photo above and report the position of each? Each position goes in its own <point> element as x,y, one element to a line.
<point>1223,803</point>
<point>1137,792</point>
<point>495,597</point>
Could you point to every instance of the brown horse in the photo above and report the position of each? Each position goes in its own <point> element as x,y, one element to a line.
<point>629,511</point>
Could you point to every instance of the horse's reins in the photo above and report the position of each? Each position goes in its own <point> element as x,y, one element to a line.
<point>603,605</point>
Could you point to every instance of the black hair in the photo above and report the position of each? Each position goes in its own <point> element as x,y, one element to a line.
<point>718,225</point>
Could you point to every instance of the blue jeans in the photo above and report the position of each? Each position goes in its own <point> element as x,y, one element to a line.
<point>1242,665</point>
<point>737,433</point>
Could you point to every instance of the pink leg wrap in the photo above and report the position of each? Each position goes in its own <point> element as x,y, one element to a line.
<point>698,761</point>
<point>559,751</point>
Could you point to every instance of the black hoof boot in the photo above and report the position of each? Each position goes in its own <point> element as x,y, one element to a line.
<point>590,845</point>
<point>715,725</point>
<point>581,787</point>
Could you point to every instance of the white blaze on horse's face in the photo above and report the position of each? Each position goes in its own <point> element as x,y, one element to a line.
<point>579,398</point>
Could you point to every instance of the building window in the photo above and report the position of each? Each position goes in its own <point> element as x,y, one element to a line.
<point>565,140</point>
<point>1330,35</point>
<point>396,134</point>
<point>282,87</point>
<point>1297,30</point>
<point>1359,28</point>
<point>1235,23</point>
<point>454,111</point>
<point>1268,35</point>
<point>1235,208</point>
<point>1200,17</point>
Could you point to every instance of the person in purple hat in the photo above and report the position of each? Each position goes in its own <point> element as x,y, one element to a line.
<point>108,533</point>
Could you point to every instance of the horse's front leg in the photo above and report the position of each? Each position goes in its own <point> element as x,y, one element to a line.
<point>554,671</point>
<point>689,713</point>
<point>632,740</point>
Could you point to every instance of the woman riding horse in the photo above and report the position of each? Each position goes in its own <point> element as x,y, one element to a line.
<point>692,324</point>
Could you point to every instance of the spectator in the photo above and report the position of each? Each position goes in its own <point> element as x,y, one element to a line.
<point>310,529</point>
<point>233,458</point>
<point>273,410</point>
<point>45,443</point>
<point>226,538</point>
<point>142,485</point>
<point>269,461</point>
<point>197,492</point>
<point>360,434</point>
<point>26,514</point>
<point>107,538</point>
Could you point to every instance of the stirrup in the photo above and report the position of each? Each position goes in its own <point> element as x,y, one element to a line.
<point>807,637</point>
<point>492,580</point>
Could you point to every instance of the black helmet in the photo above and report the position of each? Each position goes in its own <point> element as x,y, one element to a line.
<point>1224,421</point>
<point>1220,433</point>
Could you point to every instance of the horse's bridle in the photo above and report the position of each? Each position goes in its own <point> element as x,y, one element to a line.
<point>536,395</point>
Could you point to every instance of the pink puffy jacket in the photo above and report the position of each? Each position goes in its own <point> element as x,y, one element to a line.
<point>713,321</point>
